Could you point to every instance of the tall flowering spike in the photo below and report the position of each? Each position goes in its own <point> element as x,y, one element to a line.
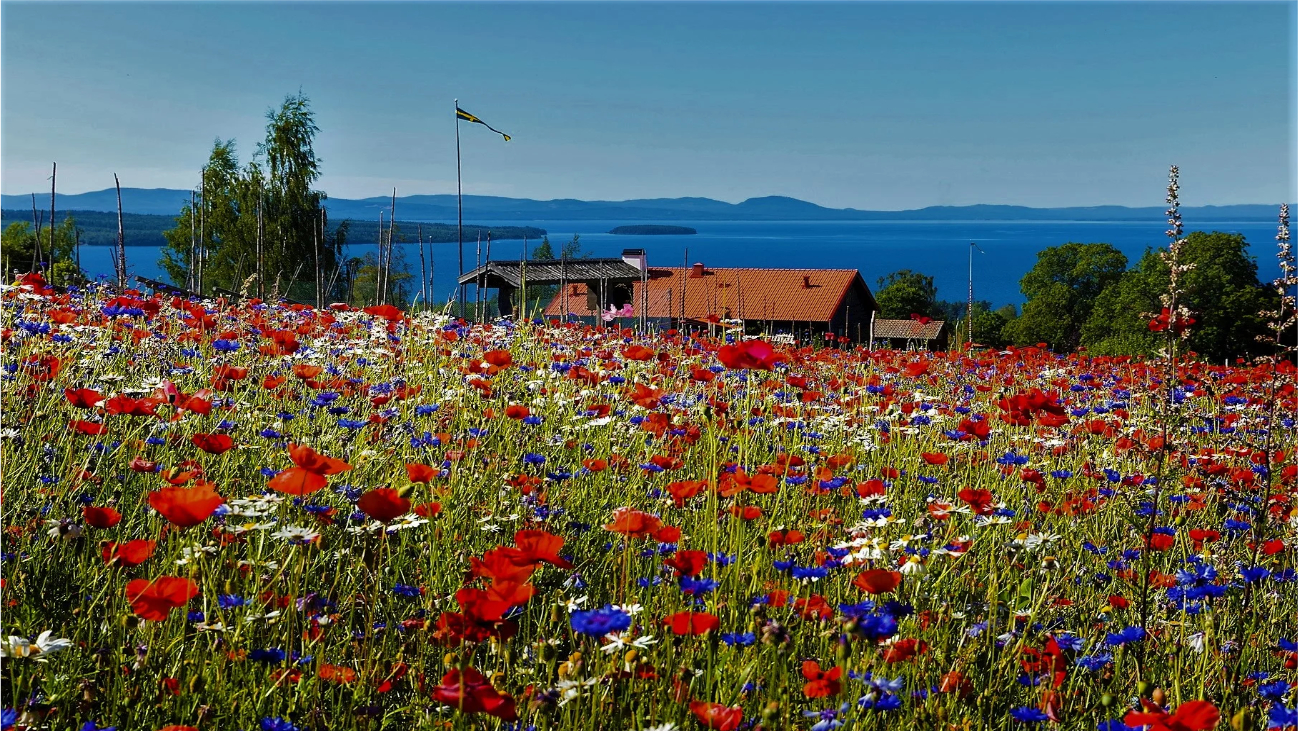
<point>1283,318</point>
<point>1173,256</point>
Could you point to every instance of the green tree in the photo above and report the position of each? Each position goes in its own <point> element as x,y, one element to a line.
<point>1060,291</point>
<point>58,248</point>
<point>277,183</point>
<point>543,250</point>
<point>904,293</point>
<point>573,250</point>
<point>988,325</point>
<point>1222,290</point>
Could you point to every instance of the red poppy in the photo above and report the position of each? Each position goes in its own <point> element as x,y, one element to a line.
<point>980,501</point>
<point>384,504</point>
<point>502,564</point>
<point>904,650</point>
<point>821,683</point>
<point>213,443</point>
<point>481,617</point>
<point>386,312</point>
<point>595,465</point>
<point>309,473</point>
<point>1190,716</point>
<point>123,404</point>
<point>746,512</point>
<point>667,534</point>
<point>685,490</point>
<point>469,692</point>
<point>878,581</point>
<point>131,553</point>
<point>691,623</point>
<point>420,473</point>
<point>517,412</point>
<point>537,546</point>
<point>186,507</point>
<point>764,484</point>
<point>934,458</point>
<point>88,428</point>
<point>428,510</point>
<point>100,517</point>
<point>917,368</point>
<point>1158,541</point>
<point>82,398</point>
<point>337,673</point>
<point>750,354</point>
<point>638,352</point>
<point>154,599</point>
<point>688,563</point>
<point>784,537</point>
<point>633,523</point>
<point>717,716</point>
<point>304,371</point>
<point>498,358</point>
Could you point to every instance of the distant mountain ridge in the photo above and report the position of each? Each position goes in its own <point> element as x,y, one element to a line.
<point>166,201</point>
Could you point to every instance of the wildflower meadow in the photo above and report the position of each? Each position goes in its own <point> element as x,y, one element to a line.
<point>249,515</point>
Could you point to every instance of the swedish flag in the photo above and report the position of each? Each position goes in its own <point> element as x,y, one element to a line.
<point>462,114</point>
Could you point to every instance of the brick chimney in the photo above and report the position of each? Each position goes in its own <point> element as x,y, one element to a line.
<point>697,270</point>
<point>807,282</point>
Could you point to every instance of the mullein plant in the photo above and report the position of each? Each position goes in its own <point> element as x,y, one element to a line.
<point>1281,382</point>
<point>1174,321</point>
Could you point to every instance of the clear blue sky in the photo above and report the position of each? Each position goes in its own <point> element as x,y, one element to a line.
<point>879,106</point>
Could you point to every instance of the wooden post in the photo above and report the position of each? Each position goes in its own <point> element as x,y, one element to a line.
<point>203,204</point>
<point>460,219</point>
<point>190,274</point>
<point>424,279</point>
<point>487,257</point>
<point>379,263</point>
<point>388,260</point>
<point>261,274</point>
<point>54,171</point>
<point>120,264</point>
<point>36,248</point>
<point>478,263</point>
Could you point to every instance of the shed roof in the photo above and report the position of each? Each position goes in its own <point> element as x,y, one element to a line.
<point>907,329</point>
<point>552,271</point>
<point>799,295</point>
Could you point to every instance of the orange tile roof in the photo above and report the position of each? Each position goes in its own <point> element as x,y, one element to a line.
<point>731,293</point>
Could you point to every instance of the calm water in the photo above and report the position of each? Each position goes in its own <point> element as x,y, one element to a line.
<point>937,248</point>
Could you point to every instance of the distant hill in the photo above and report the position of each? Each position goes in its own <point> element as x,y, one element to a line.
<point>99,228</point>
<point>163,201</point>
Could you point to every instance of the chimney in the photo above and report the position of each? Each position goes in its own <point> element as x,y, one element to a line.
<point>635,257</point>
<point>697,271</point>
<point>807,282</point>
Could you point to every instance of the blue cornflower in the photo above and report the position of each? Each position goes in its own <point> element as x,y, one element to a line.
<point>230,601</point>
<point>225,346</point>
<point>534,459</point>
<point>270,655</point>
<point>600,622</point>
<point>697,587</point>
<point>744,639</point>
<point>277,724</point>
<point>406,590</point>
<point>1028,714</point>
<point>1125,636</point>
<point>1093,663</point>
<point>1281,716</point>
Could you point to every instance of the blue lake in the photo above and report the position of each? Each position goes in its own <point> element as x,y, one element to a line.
<point>937,248</point>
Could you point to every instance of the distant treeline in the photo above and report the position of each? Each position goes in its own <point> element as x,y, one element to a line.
<point>100,229</point>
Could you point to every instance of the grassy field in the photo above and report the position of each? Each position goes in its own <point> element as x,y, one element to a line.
<point>274,518</point>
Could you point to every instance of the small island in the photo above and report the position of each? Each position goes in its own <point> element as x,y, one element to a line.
<point>653,230</point>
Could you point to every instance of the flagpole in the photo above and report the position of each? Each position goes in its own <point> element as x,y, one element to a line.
<point>460,239</point>
<point>970,293</point>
